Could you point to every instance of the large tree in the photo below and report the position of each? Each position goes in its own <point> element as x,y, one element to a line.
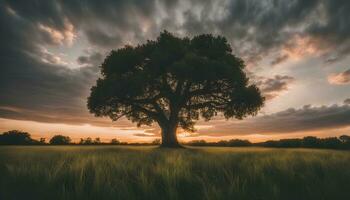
<point>174,81</point>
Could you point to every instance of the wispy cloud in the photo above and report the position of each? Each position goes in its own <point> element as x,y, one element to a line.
<point>340,78</point>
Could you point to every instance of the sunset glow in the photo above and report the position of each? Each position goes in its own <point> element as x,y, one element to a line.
<point>51,59</point>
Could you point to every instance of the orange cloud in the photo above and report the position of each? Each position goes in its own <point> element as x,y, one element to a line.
<point>299,47</point>
<point>60,37</point>
<point>339,78</point>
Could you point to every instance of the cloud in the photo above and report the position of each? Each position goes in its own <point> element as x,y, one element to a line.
<point>59,37</point>
<point>314,23</point>
<point>347,101</point>
<point>280,59</point>
<point>145,135</point>
<point>339,78</point>
<point>307,118</point>
<point>38,85</point>
<point>272,87</point>
<point>93,59</point>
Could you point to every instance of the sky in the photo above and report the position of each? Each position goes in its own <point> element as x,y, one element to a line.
<point>296,51</point>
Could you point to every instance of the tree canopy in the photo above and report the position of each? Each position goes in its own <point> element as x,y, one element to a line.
<point>15,137</point>
<point>174,82</point>
<point>60,140</point>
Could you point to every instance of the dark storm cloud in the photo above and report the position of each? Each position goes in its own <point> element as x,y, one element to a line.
<point>37,85</point>
<point>307,118</point>
<point>93,59</point>
<point>30,88</point>
<point>254,27</point>
<point>347,101</point>
<point>334,29</point>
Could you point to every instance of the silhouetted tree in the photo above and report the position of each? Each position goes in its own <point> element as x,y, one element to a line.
<point>331,143</point>
<point>42,141</point>
<point>344,138</point>
<point>221,143</point>
<point>156,142</point>
<point>97,141</point>
<point>115,141</point>
<point>198,143</point>
<point>15,137</point>
<point>238,143</point>
<point>310,141</point>
<point>173,81</point>
<point>87,141</point>
<point>60,140</point>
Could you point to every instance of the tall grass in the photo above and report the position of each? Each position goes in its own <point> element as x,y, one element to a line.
<point>111,172</point>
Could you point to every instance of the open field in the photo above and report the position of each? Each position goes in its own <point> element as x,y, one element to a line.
<point>112,172</point>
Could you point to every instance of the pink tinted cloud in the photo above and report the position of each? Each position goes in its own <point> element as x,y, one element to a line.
<point>339,78</point>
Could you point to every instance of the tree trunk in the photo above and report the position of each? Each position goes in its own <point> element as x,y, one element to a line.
<point>169,138</point>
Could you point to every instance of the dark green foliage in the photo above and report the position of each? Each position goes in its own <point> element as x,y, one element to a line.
<point>343,142</point>
<point>174,81</point>
<point>115,172</point>
<point>310,142</point>
<point>15,137</point>
<point>60,140</point>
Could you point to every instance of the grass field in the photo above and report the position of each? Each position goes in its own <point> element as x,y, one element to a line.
<point>112,172</point>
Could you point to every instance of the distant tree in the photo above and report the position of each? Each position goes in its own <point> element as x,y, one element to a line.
<point>42,141</point>
<point>269,143</point>
<point>238,143</point>
<point>222,143</point>
<point>331,142</point>
<point>15,137</point>
<point>344,138</point>
<point>87,141</point>
<point>115,141</point>
<point>60,140</point>
<point>289,143</point>
<point>173,81</point>
<point>97,141</point>
<point>156,142</point>
<point>310,141</point>
<point>198,143</point>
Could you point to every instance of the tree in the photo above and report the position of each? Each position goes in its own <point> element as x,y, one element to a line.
<point>97,141</point>
<point>156,142</point>
<point>174,81</point>
<point>344,138</point>
<point>60,140</point>
<point>87,141</point>
<point>330,142</point>
<point>42,141</point>
<point>115,141</point>
<point>15,137</point>
<point>310,141</point>
<point>238,143</point>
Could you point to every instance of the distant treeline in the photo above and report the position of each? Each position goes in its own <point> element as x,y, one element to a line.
<point>342,142</point>
<point>16,137</point>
